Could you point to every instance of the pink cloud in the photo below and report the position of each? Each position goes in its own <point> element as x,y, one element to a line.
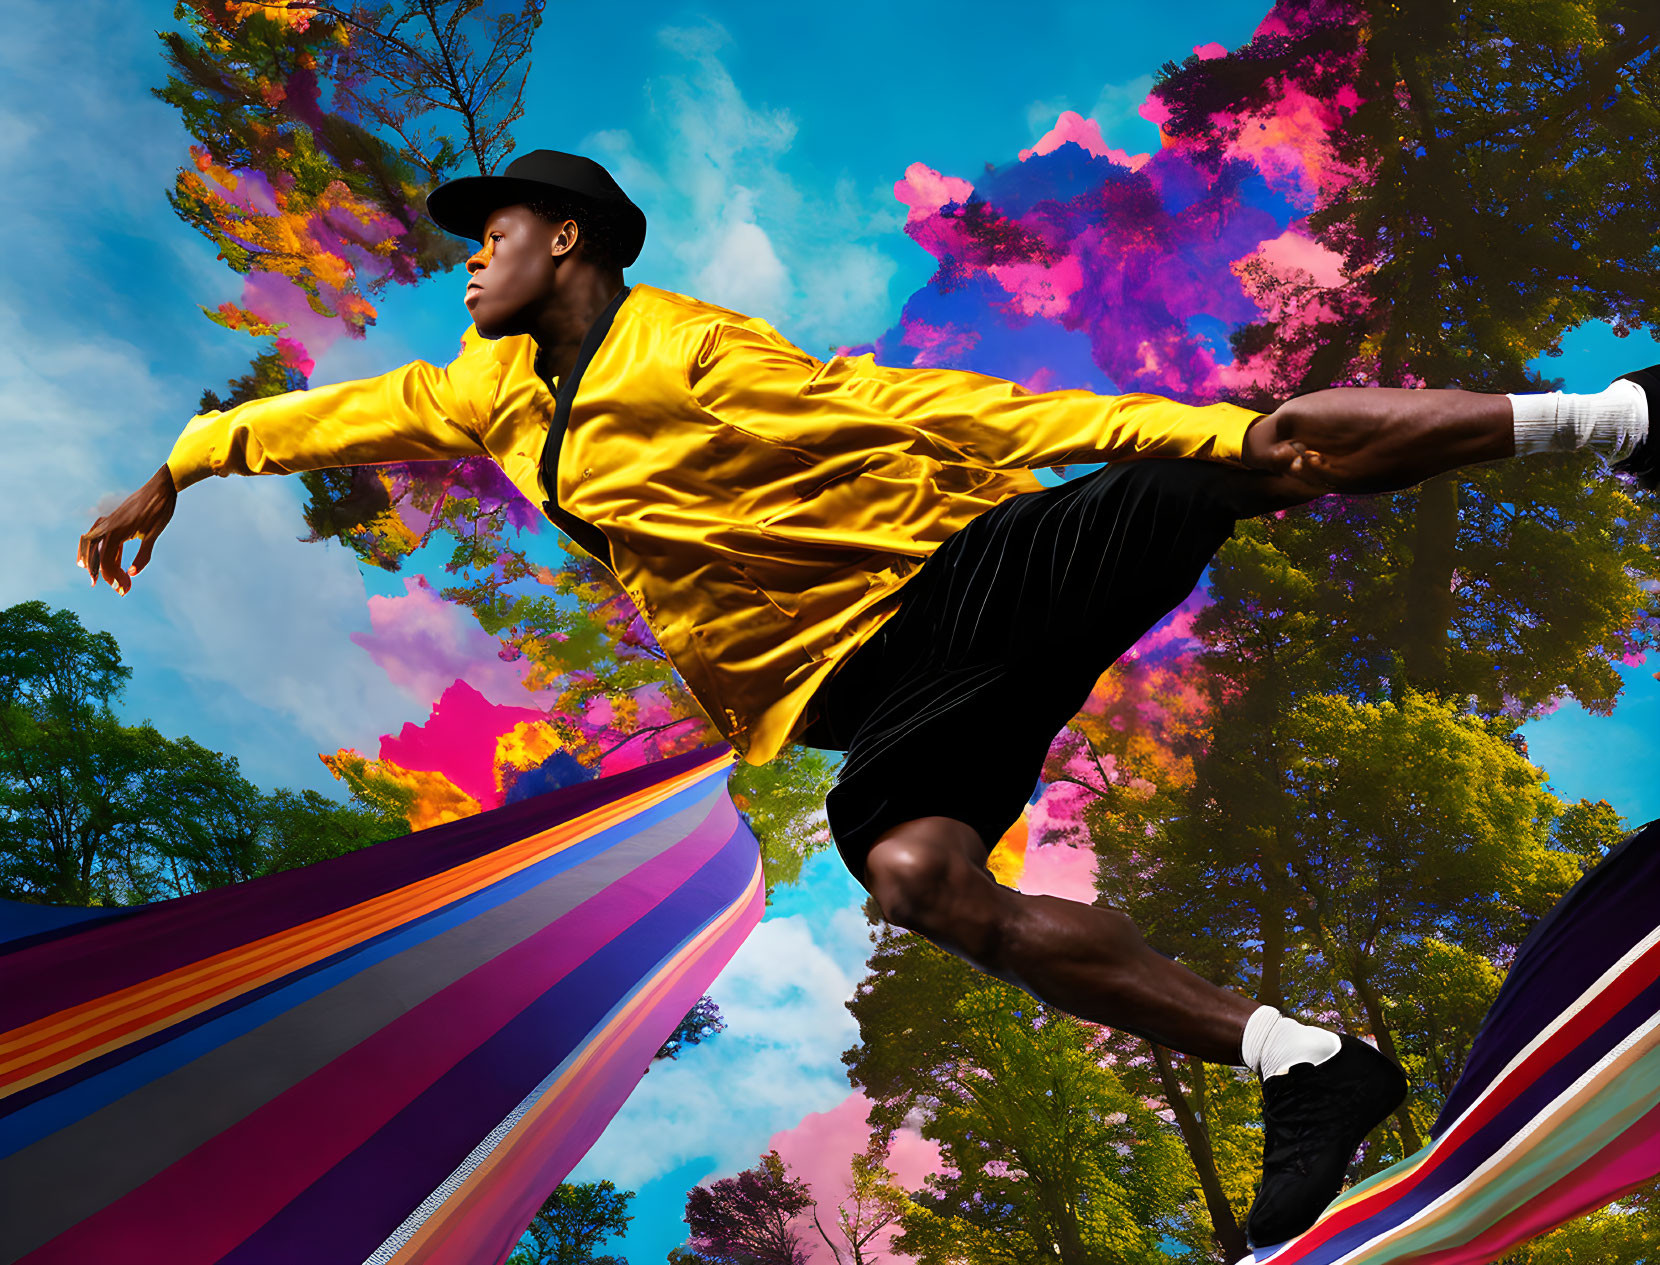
<point>1175,633</point>
<point>1072,128</point>
<point>1294,251</point>
<point>1040,290</point>
<point>925,191</point>
<point>424,644</point>
<point>1291,144</point>
<point>821,1149</point>
<point>277,300</point>
<point>1066,870</point>
<point>1209,52</point>
<point>938,344</point>
<point>1057,817</point>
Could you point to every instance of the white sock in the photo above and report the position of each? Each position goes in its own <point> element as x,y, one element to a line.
<point>1612,422</point>
<point>1275,1044</point>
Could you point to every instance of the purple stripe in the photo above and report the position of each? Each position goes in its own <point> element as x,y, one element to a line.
<point>350,1210</point>
<point>1596,924</point>
<point>76,967</point>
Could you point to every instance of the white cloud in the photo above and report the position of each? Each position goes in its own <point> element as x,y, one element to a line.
<point>239,634</point>
<point>731,224</point>
<point>1041,115</point>
<point>258,616</point>
<point>232,600</point>
<point>1118,110</point>
<point>743,271</point>
<point>783,997</point>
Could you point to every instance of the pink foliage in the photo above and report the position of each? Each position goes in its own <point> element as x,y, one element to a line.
<point>459,741</point>
<point>1073,128</point>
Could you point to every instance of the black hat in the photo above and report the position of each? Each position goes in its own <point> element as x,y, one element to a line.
<point>462,206</point>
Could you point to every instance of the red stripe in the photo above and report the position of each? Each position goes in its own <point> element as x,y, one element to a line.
<point>1619,993</point>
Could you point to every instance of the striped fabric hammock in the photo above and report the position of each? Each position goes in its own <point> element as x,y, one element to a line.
<point>1557,1112</point>
<point>392,1056</point>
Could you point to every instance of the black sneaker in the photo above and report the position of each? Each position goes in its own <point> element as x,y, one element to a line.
<point>1314,1118</point>
<point>1644,464</point>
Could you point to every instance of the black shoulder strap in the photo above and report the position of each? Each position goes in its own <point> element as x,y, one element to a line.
<point>589,537</point>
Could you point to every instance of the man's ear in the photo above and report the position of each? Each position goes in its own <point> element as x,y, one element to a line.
<point>564,241</point>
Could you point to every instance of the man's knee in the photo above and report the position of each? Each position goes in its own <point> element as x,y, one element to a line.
<point>925,872</point>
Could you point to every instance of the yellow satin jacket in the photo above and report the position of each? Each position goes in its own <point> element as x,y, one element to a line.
<point>763,508</point>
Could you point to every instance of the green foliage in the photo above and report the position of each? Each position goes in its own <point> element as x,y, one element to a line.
<point>1621,1234</point>
<point>269,374</point>
<point>877,1201</point>
<point>94,812</point>
<point>1329,805</point>
<point>782,802</point>
<point>573,1222</point>
<point>1043,1142</point>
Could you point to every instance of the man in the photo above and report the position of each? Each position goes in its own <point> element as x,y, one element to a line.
<point>858,557</point>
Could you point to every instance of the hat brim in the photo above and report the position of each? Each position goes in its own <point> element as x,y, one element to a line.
<point>463,206</point>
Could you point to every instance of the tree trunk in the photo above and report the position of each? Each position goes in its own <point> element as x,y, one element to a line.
<point>1196,1136</point>
<point>1270,989</point>
<point>1410,1140</point>
<point>1429,600</point>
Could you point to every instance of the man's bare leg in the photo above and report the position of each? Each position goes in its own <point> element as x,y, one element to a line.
<point>929,876</point>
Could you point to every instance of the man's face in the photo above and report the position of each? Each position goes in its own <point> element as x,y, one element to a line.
<point>510,276</point>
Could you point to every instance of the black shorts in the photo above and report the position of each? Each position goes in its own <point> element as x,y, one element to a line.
<point>951,707</point>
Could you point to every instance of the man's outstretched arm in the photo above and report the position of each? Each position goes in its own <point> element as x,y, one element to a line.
<point>1379,439</point>
<point>419,412</point>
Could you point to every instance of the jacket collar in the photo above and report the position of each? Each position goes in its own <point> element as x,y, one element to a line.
<point>585,534</point>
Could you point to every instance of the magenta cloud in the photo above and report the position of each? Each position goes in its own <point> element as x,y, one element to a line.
<point>425,644</point>
<point>821,1149</point>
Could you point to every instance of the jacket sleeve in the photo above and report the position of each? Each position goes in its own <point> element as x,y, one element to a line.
<point>417,413</point>
<point>751,377</point>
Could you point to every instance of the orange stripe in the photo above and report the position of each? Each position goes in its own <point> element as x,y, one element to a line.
<point>560,1100</point>
<point>68,1038</point>
<point>318,938</point>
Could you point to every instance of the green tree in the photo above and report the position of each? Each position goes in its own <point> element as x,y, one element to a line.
<point>93,811</point>
<point>1360,836</point>
<point>1047,1152</point>
<point>78,790</point>
<point>572,1224</point>
<point>874,1201</point>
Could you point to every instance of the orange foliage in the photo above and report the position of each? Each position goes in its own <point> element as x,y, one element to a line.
<point>432,798</point>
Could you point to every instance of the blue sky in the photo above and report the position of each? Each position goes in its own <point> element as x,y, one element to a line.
<point>763,141</point>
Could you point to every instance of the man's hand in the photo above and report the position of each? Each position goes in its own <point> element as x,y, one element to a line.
<point>143,514</point>
<point>1269,449</point>
<point>1378,439</point>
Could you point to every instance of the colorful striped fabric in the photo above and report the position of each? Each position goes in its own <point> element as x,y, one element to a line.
<point>1558,1110</point>
<point>393,1056</point>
